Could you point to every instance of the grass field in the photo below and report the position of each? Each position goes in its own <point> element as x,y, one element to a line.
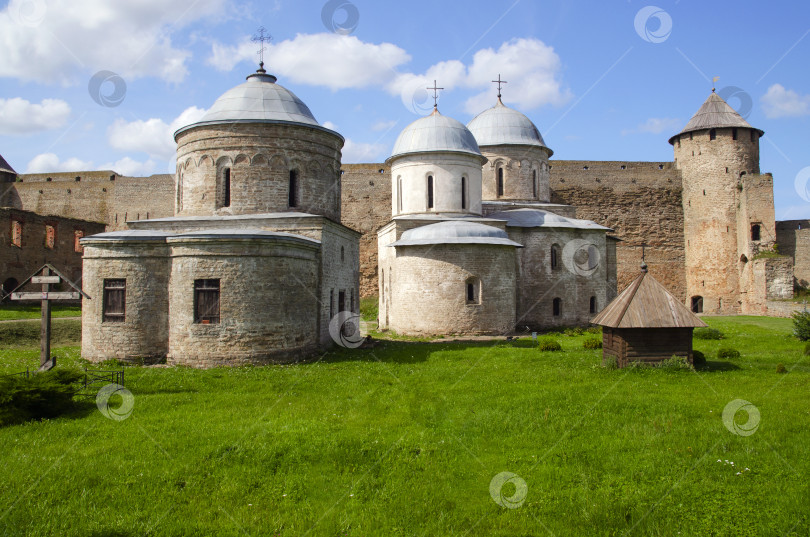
<point>34,311</point>
<point>406,438</point>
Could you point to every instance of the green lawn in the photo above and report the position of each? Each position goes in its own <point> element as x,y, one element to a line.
<point>10,311</point>
<point>406,438</point>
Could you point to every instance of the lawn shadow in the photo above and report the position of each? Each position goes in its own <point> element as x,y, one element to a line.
<point>406,352</point>
<point>711,367</point>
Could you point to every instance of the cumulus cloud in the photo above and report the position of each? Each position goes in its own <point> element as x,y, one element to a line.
<point>325,59</point>
<point>330,125</point>
<point>781,102</point>
<point>19,117</point>
<point>354,152</point>
<point>50,163</point>
<point>656,125</point>
<point>66,40</point>
<point>133,168</point>
<point>153,136</point>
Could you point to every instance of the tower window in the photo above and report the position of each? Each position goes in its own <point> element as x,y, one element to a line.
<point>206,301</point>
<point>592,307</point>
<point>734,133</point>
<point>114,301</point>
<point>534,183</point>
<point>293,189</point>
<point>555,256</point>
<point>753,137</point>
<point>463,192</point>
<point>399,194</point>
<point>500,182</point>
<point>342,254</point>
<point>226,188</point>
<point>556,307</point>
<point>430,192</point>
<point>473,291</point>
<point>697,304</point>
<point>755,232</point>
<point>713,134</point>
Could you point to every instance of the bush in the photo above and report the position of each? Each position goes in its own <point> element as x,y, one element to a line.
<point>676,363</point>
<point>548,345</point>
<point>698,358</point>
<point>727,353</point>
<point>801,325</point>
<point>780,368</point>
<point>592,343</point>
<point>43,395</point>
<point>574,331</point>
<point>708,333</point>
<point>594,330</point>
<point>610,362</point>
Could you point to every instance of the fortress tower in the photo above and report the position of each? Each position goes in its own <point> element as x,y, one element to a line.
<point>728,207</point>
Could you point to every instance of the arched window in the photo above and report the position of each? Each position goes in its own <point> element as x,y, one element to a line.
<point>755,232</point>
<point>225,187</point>
<point>555,256</point>
<point>399,194</point>
<point>534,183</point>
<point>430,192</point>
<point>463,192</point>
<point>593,305</point>
<point>292,192</point>
<point>473,291</point>
<point>713,134</point>
<point>500,181</point>
<point>697,304</point>
<point>557,307</point>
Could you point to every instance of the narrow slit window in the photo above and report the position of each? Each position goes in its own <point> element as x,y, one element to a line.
<point>734,133</point>
<point>592,306</point>
<point>430,192</point>
<point>463,192</point>
<point>534,184</point>
<point>500,182</point>
<point>114,301</point>
<point>556,307</point>
<point>293,189</point>
<point>713,134</point>
<point>399,194</point>
<point>226,187</point>
<point>555,256</point>
<point>206,301</point>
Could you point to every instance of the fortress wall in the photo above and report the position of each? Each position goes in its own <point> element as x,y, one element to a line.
<point>141,198</point>
<point>793,238</point>
<point>642,203</point>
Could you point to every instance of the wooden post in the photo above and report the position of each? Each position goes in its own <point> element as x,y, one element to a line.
<point>45,362</point>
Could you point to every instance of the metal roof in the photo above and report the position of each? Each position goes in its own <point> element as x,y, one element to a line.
<point>539,218</point>
<point>455,232</point>
<point>216,233</point>
<point>715,113</point>
<point>5,166</point>
<point>501,125</point>
<point>261,100</point>
<point>647,304</point>
<point>435,133</point>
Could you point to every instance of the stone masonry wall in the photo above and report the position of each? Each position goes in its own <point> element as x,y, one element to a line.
<point>793,238</point>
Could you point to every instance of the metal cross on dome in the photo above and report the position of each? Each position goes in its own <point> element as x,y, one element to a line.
<point>435,95</point>
<point>500,83</point>
<point>261,38</point>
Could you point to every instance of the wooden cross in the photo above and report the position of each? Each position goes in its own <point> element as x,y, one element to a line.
<point>435,95</point>
<point>500,83</point>
<point>261,38</point>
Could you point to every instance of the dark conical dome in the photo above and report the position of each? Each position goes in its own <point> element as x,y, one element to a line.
<point>715,113</point>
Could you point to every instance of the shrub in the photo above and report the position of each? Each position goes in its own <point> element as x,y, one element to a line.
<point>708,333</point>
<point>594,330</point>
<point>574,331</point>
<point>727,353</point>
<point>698,358</point>
<point>43,395</point>
<point>676,363</point>
<point>547,344</point>
<point>610,362</point>
<point>801,325</point>
<point>592,343</point>
<point>780,368</point>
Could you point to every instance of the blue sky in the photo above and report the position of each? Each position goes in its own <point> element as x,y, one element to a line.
<point>607,80</point>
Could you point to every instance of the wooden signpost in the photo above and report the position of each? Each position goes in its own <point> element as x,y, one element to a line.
<point>47,276</point>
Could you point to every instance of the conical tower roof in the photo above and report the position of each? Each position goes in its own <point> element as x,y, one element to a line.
<point>715,113</point>
<point>5,167</point>
<point>647,304</point>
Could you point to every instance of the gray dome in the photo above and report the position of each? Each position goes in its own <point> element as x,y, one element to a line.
<point>455,232</point>
<point>539,218</point>
<point>259,99</point>
<point>501,125</point>
<point>435,133</point>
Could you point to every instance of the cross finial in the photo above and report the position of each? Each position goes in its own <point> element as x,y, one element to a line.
<point>435,95</point>
<point>260,38</point>
<point>500,83</point>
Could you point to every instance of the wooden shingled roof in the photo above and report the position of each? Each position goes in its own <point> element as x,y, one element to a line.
<point>715,113</point>
<point>647,304</point>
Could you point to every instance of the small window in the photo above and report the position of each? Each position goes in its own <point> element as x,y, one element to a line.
<point>206,301</point>
<point>691,135</point>
<point>555,256</point>
<point>713,134</point>
<point>734,133</point>
<point>473,291</point>
<point>557,307</point>
<point>16,233</point>
<point>755,232</point>
<point>292,192</point>
<point>226,187</point>
<point>77,237</point>
<point>534,184</point>
<point>331,303</point>
<point>50,236</point>
<point>463,192</point>
<point>592,307</point>
<point>500,182</point>
<point>430,192</point>
<point>342,254</point>
<point>753,137</point>
<point>697,304</point>
<point>114,300</point>
<point>399,194</point>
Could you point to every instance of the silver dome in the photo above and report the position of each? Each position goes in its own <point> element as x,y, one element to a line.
<point>455,232</point>
<point>435,133</point>
<point>501,125</point>
<point>539,218</point>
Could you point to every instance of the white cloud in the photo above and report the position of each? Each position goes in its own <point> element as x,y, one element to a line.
<point>325,59</point>
<point>383,125</point>
<point>66,40</point>
<point>781,102</point>
<point>132,168</point>
<point>50,163</point>
<point>330,125</point>
<point>656,125</point>
<point>354,152</point>
<point>153,136</point>
<point>21,117</point>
